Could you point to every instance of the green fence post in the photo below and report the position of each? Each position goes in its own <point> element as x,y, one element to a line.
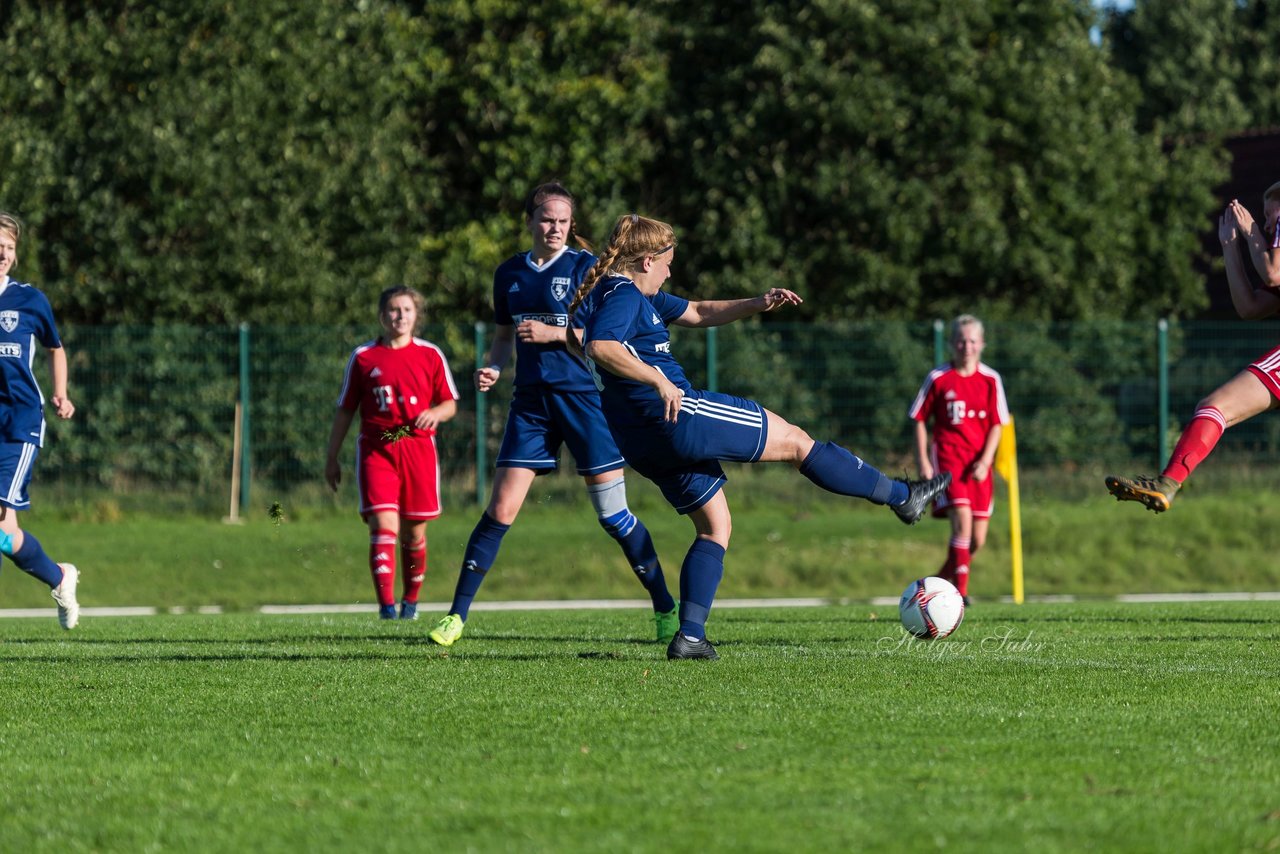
<point>713,374</point>
<point>482,462</point>
<point>1162,349</point>
<point>245,466</point>
<point>939,346</point>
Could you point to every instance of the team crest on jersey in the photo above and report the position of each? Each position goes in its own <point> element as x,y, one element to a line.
<point>559,287</point>
<point>8,320</point>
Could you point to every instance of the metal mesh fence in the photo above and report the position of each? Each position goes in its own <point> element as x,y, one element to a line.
<point>157,405</point>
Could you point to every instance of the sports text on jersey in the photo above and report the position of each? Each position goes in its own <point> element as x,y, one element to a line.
<point>12,351</point>
<point>561,320</point>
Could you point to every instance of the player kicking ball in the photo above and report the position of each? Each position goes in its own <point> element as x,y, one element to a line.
<point>677,435</point>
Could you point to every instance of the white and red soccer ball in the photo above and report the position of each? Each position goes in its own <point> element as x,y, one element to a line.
<point>931,608</point>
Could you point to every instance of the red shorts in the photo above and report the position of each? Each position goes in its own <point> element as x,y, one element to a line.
<point>401,476</point>
<point>964,490</point>
<point>1267,369</point>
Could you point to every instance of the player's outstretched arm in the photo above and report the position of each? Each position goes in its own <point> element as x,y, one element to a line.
<point>719,312</point>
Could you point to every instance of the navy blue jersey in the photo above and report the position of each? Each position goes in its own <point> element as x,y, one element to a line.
<point>617,311</point>
<point>523,291</point>
<point>25,319</point>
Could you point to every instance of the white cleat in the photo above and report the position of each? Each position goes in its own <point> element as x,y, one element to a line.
<point>65,595</point>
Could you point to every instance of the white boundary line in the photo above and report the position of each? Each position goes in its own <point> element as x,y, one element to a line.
<point>623,604</point>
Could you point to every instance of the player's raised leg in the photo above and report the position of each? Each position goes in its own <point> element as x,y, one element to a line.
<point>837,470</point>
<point>1250,392</point>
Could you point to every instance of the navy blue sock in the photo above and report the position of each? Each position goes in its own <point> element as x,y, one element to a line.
<point>32,560</point>
<point>482,551</point>
<point>699,577</point>
<point>836,470</point>
<point>642,557</point>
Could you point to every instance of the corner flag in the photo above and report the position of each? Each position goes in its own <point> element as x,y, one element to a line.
<point>1007,466</point>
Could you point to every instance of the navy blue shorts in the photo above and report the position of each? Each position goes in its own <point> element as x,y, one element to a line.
<point>683,458</point>
<point>17,462</point>
<point>541,420</point>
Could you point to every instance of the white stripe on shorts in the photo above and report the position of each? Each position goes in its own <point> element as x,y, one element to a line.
<point>14,494</point>
<point>722,412</point>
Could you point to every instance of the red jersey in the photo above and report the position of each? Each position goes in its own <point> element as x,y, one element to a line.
<point>963,409</point>
<point>390,387</point>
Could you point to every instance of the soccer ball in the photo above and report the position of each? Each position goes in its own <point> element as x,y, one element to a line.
<point>931,608</point>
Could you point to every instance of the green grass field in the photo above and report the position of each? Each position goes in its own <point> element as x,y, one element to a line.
<point>1083,726</point>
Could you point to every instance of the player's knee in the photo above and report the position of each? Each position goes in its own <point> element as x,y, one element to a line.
<point>610,502</point>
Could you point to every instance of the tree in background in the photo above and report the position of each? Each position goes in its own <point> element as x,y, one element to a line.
<point>916,159</point>
<point>278,162</point>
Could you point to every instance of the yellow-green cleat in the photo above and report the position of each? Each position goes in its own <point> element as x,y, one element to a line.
<point>1154,493</point>
<point>447,630</point>
<point>668,623</point>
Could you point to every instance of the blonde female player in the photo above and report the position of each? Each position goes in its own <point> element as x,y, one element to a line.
<point>676,435</point>
<point>25,319</point>
<point>963,405</point>
<point>401,389</point>
<point>1254,390</point>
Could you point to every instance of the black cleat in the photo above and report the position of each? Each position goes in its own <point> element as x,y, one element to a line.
<point>920,494</point>
<point>682,646</point>
<point>1154,493</point>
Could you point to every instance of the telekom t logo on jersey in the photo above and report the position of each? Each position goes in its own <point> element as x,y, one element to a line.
<point>384,394</point>
<point>956,410</point>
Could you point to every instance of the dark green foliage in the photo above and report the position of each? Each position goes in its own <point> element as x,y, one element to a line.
<point>278,162</point>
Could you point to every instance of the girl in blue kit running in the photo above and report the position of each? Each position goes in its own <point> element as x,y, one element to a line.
<point>26,319</point>
<point>555,403</point>
<point>677,435</point>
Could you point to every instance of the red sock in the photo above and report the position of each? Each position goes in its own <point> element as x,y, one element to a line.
<point>948,570</point>
<point>958,557</point>
<point>382,565</point>
<point>1206,428</point>
<point>413,563</point>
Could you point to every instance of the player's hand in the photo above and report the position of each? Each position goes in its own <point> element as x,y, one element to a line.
<point>486,377</point>
<point>671,397</point>
<point>332,474</point>
<point>1227,232</point>
<point>63,406</point>
<point>1244,220</point>
<point>537,332</point>
<point>427,421</point>
<point>926,470</point>
<point>979,471</point>
<point>775,297</point>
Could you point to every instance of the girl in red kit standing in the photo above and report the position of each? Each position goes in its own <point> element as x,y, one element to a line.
<point>402,390</point>
<point>965,402</point>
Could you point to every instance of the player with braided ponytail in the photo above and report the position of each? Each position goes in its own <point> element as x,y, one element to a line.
<point>677,435</point>
<point>555,403</point>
